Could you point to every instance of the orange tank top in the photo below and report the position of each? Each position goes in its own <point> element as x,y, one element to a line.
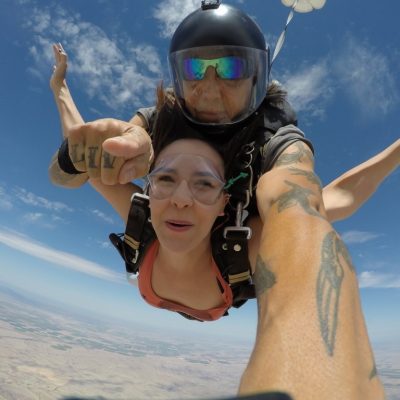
<point>148,294</point>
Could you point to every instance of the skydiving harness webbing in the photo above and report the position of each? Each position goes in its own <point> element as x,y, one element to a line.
<point>229,239</point>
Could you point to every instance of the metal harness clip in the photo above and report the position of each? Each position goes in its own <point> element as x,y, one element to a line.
<point>238,224</point>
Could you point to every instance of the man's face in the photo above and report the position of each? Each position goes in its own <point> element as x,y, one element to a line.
<point>219,85</point>
<point>213,99</point>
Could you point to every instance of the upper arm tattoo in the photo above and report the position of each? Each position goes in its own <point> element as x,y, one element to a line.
<point>329,283</point>
<point>297,195</point>
<point>374,372</point>
<point>264,278</point>
<point>309,175</point>
<point>302,152</point>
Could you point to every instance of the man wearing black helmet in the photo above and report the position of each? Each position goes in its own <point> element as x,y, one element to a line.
<point>311,337</point>
<point>228,40</point>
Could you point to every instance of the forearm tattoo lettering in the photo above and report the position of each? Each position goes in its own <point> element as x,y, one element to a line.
<point>329,283</point>
<point>303,152</point>
<point>298,195</point>
<point>264,278</point>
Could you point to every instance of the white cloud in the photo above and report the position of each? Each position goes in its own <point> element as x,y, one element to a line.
<point>171,12</point>
<point>120,73</point>
<point>38,201</point>
<point>33,217</point>
<point>363,73</point>
<point>309,88</point>
<point>367,77</point>
<point>104,245</point>
<point>58,257</point>
<point>102,216</point>
<point>5,200</point>
<point>352,237</point>
<point>372,279</point>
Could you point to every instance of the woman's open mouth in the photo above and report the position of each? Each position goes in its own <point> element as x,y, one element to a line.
<point>178,226</point>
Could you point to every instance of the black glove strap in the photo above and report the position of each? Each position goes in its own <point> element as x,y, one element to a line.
<point>64,160</point>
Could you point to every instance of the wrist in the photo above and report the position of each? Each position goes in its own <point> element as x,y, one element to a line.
<point>64,160</point>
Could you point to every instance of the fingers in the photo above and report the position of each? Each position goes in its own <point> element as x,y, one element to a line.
<point>135,147</point>
<point>60,56</point>
<point>112,162</point>
<point>135,168</point>
<point>61,49</point>
<point>133,142</point>
<point>60,67</point>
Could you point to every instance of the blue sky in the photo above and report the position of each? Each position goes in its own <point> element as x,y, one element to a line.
<point>340,65</point>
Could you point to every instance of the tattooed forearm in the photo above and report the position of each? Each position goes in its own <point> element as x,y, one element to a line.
<point>303,152</point>
<point>264,278</point>
<point>342,250</point>
<point>329,283</point>
<point>298,195</point>
<point>309,175</point>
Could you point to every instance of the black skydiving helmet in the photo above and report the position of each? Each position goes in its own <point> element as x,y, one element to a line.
<point>225,38</point>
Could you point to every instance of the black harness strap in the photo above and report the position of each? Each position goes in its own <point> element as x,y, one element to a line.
<point>231,256</point>
<point>139,234</point>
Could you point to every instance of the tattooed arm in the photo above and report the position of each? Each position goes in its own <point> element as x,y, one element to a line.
<point>93,148</point>
<point>136,154</point>
<point>311,336</point>
<point>350,191</point>
<point>69,116</point>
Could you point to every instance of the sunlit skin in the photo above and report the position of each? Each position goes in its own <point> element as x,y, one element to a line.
<point>196,219</point>
<point>213,99</point>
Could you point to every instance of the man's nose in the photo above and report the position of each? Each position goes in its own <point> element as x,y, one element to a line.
<point>208,87</point>
<point>210,74</point>
<point>182,196</point>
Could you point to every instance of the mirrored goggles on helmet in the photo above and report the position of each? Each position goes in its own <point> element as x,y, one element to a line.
<point>196,173</point>
<point>229,67</point>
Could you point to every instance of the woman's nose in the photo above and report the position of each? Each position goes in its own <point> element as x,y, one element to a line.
<point>182,195</point>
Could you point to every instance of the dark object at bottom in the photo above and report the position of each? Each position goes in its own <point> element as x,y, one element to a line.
<point>259,396</point>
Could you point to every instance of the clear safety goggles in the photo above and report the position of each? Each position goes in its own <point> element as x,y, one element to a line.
<point>196,173</point>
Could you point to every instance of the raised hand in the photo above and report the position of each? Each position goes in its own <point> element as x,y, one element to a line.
<point>110,150</point>
<point>60,67</point>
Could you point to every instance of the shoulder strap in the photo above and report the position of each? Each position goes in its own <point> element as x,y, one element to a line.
<point>139,234</point>
<point>230,252</point>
